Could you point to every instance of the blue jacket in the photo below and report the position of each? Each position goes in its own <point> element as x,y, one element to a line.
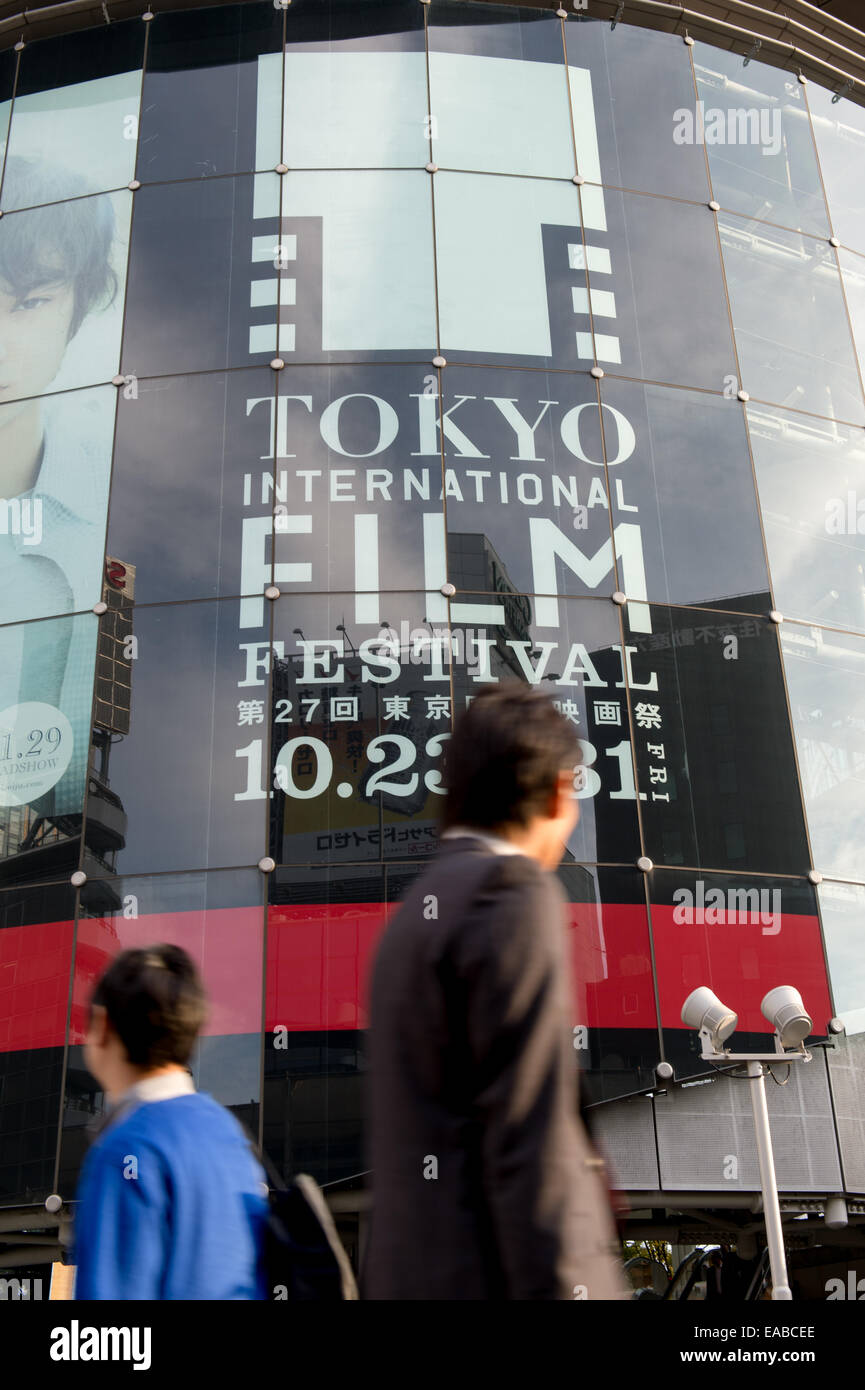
<point>171,1206</point>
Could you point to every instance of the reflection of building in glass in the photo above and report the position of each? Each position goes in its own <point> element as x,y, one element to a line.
<point>105,825</point>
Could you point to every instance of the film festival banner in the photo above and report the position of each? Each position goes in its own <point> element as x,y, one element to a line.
<point>543,480</point>
<point>361,478</point>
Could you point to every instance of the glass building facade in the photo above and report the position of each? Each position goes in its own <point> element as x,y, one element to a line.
<point>354,356</point>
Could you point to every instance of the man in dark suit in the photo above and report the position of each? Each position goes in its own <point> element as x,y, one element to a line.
<point>485,1185</point>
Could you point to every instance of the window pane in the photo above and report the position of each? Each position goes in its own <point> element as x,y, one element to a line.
<point>76,107</point>
<point>680,480</point>
<point>62,276</point>
<point>212,78</point>
<point>842,908</point>
<point>499,91</point>
<point>824,676</point>
<point>360,713</point>
<point>188,775</point>
<point>634,84</point>
<point>738,935</point>
<point>189,301</point>
<point>193,462</point>
<point>314,1104</point>
<point>525,486</point>
<point>572,649</point>
<point>355,86</point>
<point>36,938</point>
<point>754,122</point>
<point>791,326</point>
<point>322,927</point>
<point>359,502</point>
<point>714,751</point>
<point>46,698</point>
<point>54,481</point>
<point>506,293</point>
<point>217,917</point>
<point>357,277</point>
<point>615,1024</point>
<point>667,319</point>
<point>839,130</point>
<point>811,477</point>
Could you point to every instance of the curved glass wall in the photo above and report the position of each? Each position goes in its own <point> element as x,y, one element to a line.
<point>353,356</point>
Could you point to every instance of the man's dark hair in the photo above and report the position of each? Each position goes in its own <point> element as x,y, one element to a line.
<point>61,235</point>
<point>155,1003</point>
<point>504,758</point>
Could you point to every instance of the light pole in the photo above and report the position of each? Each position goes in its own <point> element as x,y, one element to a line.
<point>714,1023</point>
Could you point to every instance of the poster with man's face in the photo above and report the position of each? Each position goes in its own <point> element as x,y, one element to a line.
<point>63,252</point>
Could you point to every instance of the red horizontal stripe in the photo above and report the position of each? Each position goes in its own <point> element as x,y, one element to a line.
<point>741,962</point>
<point>319,958</point>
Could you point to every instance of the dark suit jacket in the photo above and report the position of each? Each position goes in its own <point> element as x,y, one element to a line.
<point>485,1185</point>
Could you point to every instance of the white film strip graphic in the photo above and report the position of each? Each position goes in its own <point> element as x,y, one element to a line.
<point>593,304</point>
<point>277,292</point>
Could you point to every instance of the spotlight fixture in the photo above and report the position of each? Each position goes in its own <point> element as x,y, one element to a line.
<point>714,1022</point>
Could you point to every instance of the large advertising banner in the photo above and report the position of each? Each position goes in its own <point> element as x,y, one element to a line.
<point>338,542</point>
<point>536,493</point>
<point>63,253</point>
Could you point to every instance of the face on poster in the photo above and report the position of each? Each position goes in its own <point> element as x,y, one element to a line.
<point>63,251</point>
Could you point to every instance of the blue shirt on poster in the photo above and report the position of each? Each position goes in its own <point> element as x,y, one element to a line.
<point>171,1205</point>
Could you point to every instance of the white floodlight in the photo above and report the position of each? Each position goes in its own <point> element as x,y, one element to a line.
<point>704,1011</point>
<point>784,1009</point>
<point>835,1213</point>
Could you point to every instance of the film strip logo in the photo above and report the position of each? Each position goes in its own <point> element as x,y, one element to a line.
<point>281,260</point>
